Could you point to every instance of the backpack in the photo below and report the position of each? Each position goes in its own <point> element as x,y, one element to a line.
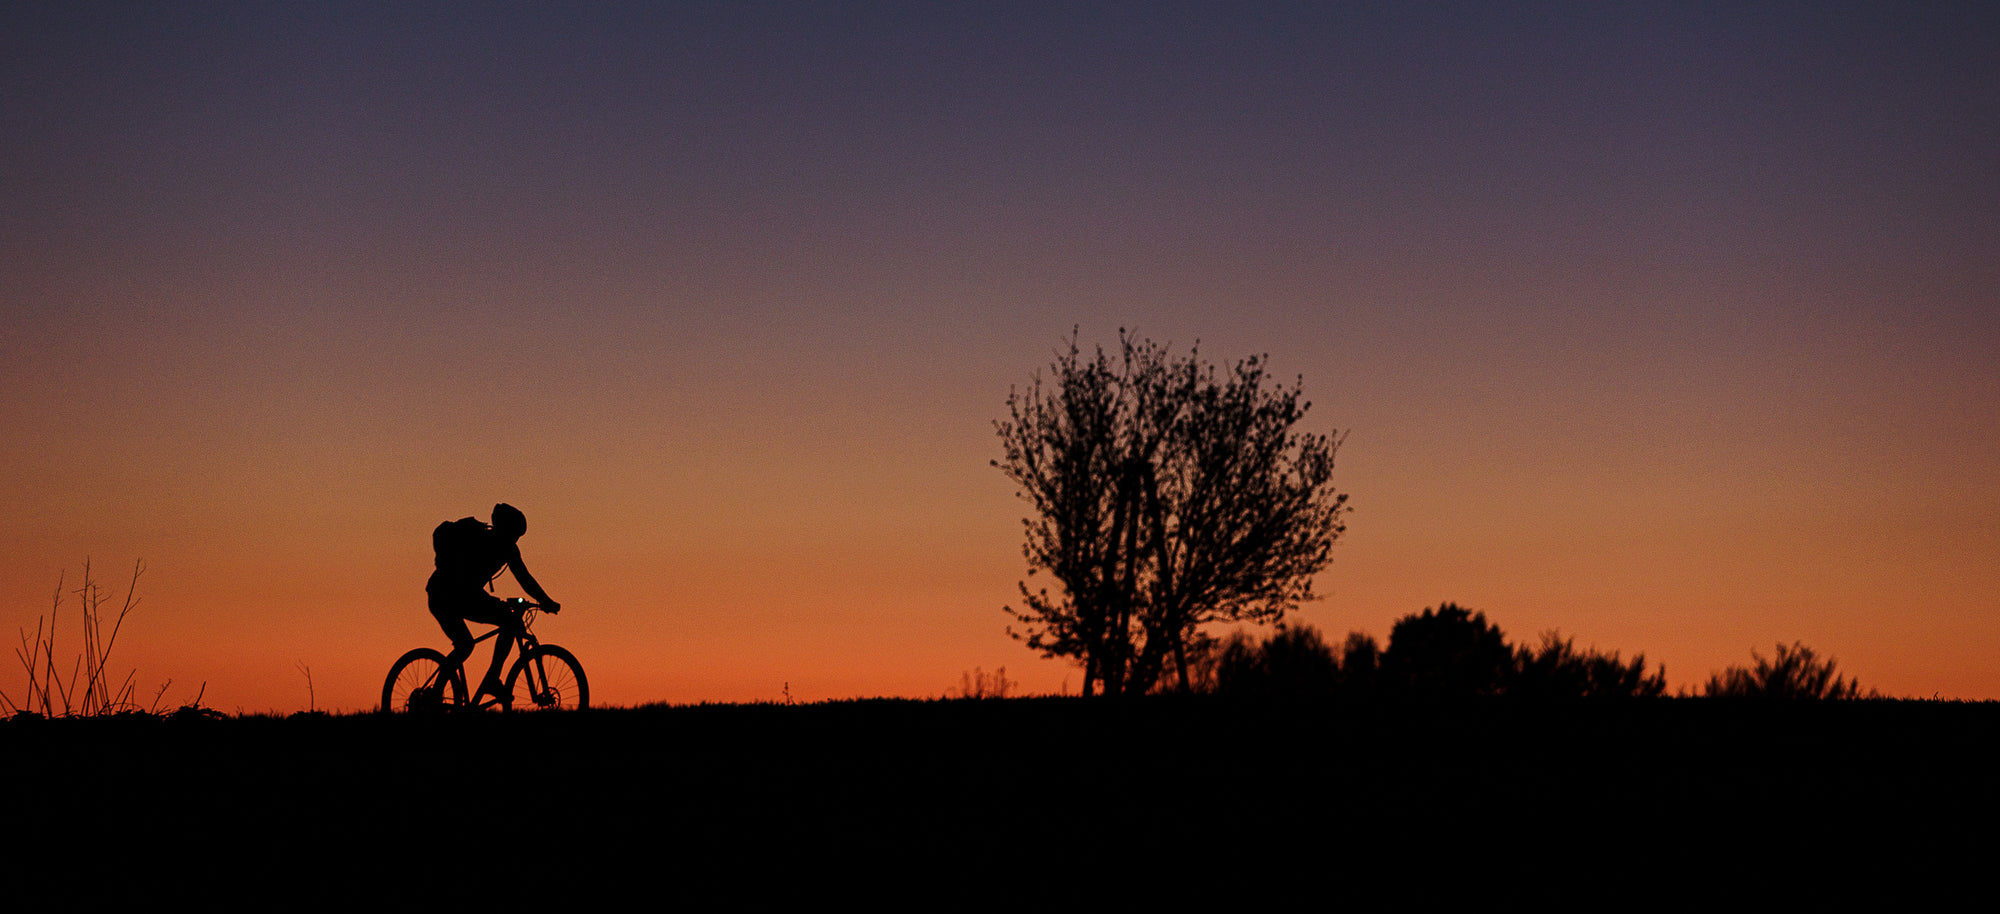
<point>457,544</point>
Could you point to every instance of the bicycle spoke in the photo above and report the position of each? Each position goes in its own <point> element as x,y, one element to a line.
<point>420,682</point>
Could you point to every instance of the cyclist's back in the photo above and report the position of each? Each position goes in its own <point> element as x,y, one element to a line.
<point>469,554</point>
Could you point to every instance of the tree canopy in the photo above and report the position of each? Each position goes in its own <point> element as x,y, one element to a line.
<point>1167,494</point>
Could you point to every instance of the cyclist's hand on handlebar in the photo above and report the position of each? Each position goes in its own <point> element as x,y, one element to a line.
<point>552,607</point>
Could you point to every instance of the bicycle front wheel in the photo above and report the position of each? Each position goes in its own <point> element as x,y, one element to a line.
<point>421,683</point>
<point>548,678</point>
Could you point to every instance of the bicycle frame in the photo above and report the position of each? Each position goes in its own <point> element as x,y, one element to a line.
<point>526,640</point>
<point>526,643</point>
<point>546,676</point>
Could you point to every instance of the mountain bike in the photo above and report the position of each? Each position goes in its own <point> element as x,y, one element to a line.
<point>547,676</point>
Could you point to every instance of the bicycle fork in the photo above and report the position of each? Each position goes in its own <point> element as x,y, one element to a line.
<point>536,680</point>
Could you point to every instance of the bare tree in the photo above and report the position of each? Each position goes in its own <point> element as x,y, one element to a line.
<point>1167,495</point>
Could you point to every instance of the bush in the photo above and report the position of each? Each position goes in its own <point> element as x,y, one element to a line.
<point>1295,661</point>
<point>981,684</point>
<point>1448,652</point>
<point>1235,666</point>
<point>1444,653</point>
<point>1795,673</point>
<point>1557,669</point>
<point>1360,665</point>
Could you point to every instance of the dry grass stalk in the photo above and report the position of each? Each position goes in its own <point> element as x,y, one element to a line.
<point>49,692</point>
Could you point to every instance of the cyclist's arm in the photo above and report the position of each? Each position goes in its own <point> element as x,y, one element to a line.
<point>527,581</point>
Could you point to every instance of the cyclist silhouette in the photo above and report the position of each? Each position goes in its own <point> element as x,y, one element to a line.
<point>469,556</point>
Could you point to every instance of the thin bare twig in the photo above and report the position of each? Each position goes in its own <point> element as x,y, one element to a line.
<point>155,709</point>
<point>131,603</point>
<point>312,701</point>
<point>70,689</point>
<point>88,689</point>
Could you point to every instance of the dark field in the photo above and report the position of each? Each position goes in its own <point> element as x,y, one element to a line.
<point>953,805</point>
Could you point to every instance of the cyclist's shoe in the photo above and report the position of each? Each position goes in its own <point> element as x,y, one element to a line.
<point>500,697</point>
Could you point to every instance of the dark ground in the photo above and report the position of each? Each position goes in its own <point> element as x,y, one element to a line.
<point>1049,803</point>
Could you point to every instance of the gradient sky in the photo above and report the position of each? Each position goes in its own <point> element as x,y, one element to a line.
<point>1671,326</point>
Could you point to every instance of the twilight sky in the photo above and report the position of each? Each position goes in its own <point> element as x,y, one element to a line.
<point>1670,326</point>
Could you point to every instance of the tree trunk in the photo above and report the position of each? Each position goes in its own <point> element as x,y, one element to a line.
<point>1122,576</point>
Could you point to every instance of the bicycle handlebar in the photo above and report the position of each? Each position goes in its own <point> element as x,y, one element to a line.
<point>527,605</point>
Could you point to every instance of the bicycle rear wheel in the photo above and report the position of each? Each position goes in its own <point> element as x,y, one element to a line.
<point>420,683</point>
<point>548,678</point>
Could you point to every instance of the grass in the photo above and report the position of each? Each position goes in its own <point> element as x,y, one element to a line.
<point>1391,803</point>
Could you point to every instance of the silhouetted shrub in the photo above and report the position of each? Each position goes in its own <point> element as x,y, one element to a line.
<point>1360,666</point>
<point>1557,669</point>
<point>981,684</point>
<point>1297,661</point>
<point>1795,673</point>
<point>1448,652</point>
<point>1234,665</point>
<point>1294,661</point>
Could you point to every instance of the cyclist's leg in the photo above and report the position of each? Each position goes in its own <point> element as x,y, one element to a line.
<point>492,610</point>
<point>454,628</point>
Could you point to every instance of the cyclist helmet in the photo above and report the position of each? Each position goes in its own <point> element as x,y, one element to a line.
<point>509,521</point>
